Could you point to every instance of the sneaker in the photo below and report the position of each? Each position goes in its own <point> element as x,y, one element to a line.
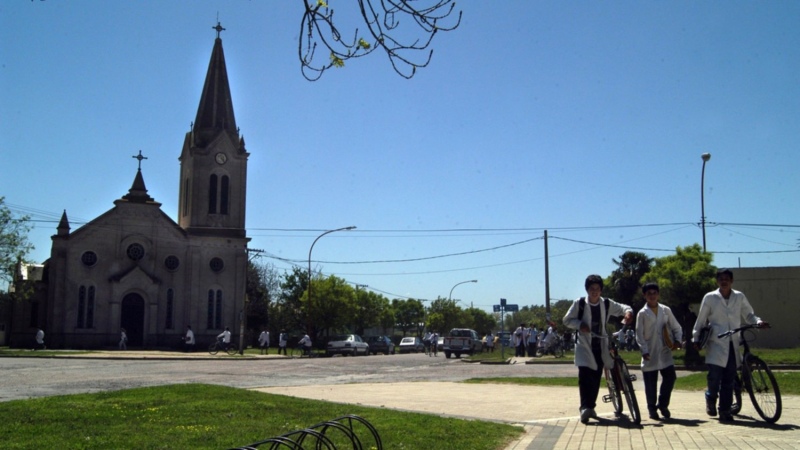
<point>665,412</point>
<point>725,417</point>
<point>711,407</point>
<point>587,413</point>
<point>653,413</point>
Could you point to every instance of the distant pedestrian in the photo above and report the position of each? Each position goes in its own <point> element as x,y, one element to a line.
<point>519,340</point>
<point>282,339</point>
<point>40,340</point>
<point>533,336</point>
<point>123,340</point>
<point>305,344</point>
<point>489,342</point>
<point>188,340</point>
<point>263,342</point>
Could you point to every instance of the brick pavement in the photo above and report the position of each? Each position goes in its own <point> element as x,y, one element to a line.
<point>550,415</point>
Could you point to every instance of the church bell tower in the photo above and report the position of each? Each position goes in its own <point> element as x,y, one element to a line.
<point>213,181</point>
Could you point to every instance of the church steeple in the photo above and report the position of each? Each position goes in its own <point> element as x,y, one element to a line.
<point>215,112</point>
<point>213,190</point>
<point>63,224</point>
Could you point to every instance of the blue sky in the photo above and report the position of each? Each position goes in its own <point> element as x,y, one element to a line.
<point>587,119</point>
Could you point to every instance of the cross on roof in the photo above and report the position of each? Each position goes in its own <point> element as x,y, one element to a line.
<point>218,28</point>
<point>140,158</point>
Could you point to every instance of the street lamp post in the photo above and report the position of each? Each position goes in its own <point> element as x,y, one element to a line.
<point>308,310</point>
<point>706,157</point>
<point>450,297</point>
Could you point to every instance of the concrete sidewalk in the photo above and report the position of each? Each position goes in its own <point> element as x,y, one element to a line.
<point>549,415</point>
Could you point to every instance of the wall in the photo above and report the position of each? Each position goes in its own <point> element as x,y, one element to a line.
<point>772,291</point>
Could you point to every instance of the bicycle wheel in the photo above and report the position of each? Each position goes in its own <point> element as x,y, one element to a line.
<point>763,389</point>
<point>614,395</point>
<point>213,349</point>
<point>630,395</point>
<point>559,350</point>
<point>232,350</point>
<point>736,406</point>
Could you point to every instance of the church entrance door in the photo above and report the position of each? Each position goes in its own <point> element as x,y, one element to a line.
<point>132,318</point>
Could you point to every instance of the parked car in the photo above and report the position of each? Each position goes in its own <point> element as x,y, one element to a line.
<point>347,344</point>
<point>462,341</point>
<point>440,344</point>
<point>411,345</point>
<point>380,344</point>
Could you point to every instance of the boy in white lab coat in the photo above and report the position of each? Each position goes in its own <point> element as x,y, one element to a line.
<point>656,353</point>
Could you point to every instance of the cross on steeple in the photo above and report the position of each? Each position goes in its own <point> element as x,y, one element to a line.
<point>218,28</point>
<point>140,158</point>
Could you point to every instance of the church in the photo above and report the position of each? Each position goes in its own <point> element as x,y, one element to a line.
<point>135,268</point>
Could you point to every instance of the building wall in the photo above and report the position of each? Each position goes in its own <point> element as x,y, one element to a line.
<point>772,291</point>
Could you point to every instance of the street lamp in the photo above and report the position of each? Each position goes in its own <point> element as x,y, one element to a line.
<point>706,157</point>
<point>450,297</point>
<point>308,311</point>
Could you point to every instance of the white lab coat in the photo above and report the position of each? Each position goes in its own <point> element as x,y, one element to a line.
<point>723,315</point>
<point>583,350</point>
<point>649,336</point>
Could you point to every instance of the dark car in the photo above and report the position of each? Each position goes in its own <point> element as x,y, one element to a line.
<point>380,344</point>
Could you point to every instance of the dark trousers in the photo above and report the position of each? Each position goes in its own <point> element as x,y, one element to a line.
<point>589,381</point>
<point>720,382</point>
<point>668,377</point>
<point>520,349</point>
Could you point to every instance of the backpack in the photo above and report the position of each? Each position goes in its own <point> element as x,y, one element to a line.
<point>582,306</point>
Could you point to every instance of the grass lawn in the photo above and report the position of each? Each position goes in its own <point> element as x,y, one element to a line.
<point>206,416</point>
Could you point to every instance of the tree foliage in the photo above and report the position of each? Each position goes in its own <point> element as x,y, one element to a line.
<point>14,244</point>
<point>408,314</point>
<point>263,290</point>
<point>625,282</point>
<point>393,26</point>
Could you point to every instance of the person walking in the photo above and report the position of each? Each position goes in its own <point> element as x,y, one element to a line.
<point>489,342</point>
<point>652,321</point>
<point>588,315</point>
<point>724,309</point>
<point>123,340</point>
<point>39,340</point>
<point>434,344</point>
<point>188,340</point>
<point>519,340</point>
<point>533,336</point>
<point>263,342</point>
<point>282,339</point>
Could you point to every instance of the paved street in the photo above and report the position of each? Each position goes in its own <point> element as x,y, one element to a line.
<point>417,383</point>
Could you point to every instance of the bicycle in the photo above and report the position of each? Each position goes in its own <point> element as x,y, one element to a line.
<point>556,348</point>
<point>215,347</point>
<point>757,379</point>
<point>300,351</point>
<point>620,382</point>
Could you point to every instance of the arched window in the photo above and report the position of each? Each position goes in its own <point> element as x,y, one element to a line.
<point>170,299</point>
<point>218,318</point>
<point>185,197</point>
<point>85,307</point>
<point>223,195</point>
<point>210,319</point>
<point>212,195</point>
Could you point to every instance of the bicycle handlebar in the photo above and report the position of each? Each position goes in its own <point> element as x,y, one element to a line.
<point>746,327</point>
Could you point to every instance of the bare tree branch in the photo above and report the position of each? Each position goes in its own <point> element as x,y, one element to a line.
<point>407,48</point>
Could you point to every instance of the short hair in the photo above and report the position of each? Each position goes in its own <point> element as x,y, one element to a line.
<point>724,271</point>
<point>593,279</point>
<point>649,286</point>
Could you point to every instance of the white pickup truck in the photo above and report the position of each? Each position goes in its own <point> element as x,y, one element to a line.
<point>461,341</point>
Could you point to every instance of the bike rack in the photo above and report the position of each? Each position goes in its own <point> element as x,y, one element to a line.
<point>318,436</point>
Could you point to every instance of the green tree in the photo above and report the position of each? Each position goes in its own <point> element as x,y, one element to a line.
<point>408,314</point>
<point>481,321</point>
<point>14,244</point>
<point>624,284</point>
<point>683,279</point>
<point>263,289</point>
<point>369,307</point>
<point>333,304</point>
<point>445,314</point>
<point>289,314</point>
<point>393,27</point>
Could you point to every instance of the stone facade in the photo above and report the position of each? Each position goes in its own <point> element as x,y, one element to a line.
<point>134,267</point>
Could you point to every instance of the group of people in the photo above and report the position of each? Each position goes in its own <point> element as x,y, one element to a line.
<point>528,339</point>
<point>431,343</point>
<point>723,309</point>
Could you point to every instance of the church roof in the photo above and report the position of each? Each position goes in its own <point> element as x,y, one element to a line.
<point>215,112</point>
<point>138,192</point>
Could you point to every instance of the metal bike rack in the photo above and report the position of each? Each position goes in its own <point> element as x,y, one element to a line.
<point>320,436</point>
